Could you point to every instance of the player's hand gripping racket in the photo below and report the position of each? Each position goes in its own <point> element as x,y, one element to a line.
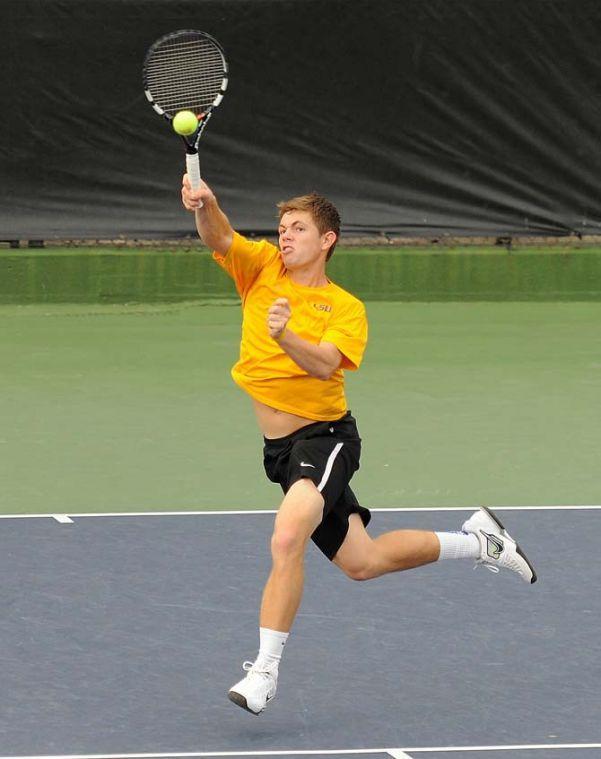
<point>186,71</point>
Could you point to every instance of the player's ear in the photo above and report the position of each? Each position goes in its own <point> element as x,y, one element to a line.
<point>328,239</point>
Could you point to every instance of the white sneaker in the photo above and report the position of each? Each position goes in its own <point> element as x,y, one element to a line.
<point>256,690</point>
<point>497,548</point>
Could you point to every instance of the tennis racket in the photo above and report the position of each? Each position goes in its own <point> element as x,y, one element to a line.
<point>186,71</point>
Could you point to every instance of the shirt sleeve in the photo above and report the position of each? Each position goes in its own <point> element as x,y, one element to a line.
<point>244,260</point>
<point>349,334</point>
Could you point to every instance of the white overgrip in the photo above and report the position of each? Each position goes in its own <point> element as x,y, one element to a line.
<point>193,169</point>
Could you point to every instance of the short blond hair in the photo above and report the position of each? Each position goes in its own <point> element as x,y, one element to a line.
<point>324,214</point>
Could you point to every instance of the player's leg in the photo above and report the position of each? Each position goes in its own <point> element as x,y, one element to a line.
<point>300,513</point>
<point>362,557</point>
<point>483,539</point>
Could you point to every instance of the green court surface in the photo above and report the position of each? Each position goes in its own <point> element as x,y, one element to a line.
<point>131,407</point>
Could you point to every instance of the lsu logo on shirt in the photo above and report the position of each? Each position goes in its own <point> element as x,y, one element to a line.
<point>323,307</point>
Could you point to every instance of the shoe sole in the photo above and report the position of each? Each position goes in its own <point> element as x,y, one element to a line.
<point>239,700</point>
<point>497,521</point>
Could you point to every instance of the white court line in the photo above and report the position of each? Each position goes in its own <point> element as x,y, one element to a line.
<point>396,753</point>
<point>213,755</point>
<point>243,512</point>
<point>522,747</point>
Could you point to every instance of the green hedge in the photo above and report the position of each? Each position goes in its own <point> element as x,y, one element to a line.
<point>89,275</point>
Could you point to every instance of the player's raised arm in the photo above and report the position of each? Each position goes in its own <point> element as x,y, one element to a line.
<point>212,224</point>
<point>185,76</point>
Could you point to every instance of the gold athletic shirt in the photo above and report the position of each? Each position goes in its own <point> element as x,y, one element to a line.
<point>328,314</point>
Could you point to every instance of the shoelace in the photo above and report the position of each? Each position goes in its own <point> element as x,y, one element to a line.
<point>490,567</point>
<point>507,561</point>
<point>265,671</point>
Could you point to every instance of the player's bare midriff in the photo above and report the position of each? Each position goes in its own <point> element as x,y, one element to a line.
<point>274,423</point>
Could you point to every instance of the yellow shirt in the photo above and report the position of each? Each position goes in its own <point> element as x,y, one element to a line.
<point>327,313</point>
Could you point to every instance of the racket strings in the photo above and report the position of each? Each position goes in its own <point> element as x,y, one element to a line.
<point>177,79</point>
<point>170,100</point>
<point>176,49</point>
<point>170,78</point>
<point>203,53</point>
<point>180,41</point>
<point>203,84</point>
<point>209,61</point>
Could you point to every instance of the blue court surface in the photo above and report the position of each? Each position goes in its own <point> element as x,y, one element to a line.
<point>120,636</point>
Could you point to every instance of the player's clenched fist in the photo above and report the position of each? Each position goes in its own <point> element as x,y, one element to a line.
<point>194,199</point>
<point>277,317</point>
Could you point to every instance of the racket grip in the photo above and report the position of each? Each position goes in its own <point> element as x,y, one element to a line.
<point>193,169</point>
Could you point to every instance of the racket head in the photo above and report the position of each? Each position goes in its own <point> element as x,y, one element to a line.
<point>185,70</point>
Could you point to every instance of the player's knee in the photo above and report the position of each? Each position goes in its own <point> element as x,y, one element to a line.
<point>359,572</point>
<point>287,541</point>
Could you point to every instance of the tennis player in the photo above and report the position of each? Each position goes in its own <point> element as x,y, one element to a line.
<point>300,333</point>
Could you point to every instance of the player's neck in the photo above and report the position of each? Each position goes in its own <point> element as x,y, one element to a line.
<point>311,276</point>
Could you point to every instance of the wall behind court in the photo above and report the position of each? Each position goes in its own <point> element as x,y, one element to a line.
<point>415,116</point>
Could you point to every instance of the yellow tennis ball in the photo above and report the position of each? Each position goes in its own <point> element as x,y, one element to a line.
<point>185,123</point>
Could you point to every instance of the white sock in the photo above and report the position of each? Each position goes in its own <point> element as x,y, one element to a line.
<point>458,545</point>
<point>271,645</point>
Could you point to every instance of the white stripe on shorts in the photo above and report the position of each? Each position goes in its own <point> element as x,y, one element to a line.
<point>329,465</point>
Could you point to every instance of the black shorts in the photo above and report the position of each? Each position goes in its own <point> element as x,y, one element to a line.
<point>328,454</point>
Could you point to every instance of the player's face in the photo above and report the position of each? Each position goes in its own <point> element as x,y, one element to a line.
<point>301,243</point>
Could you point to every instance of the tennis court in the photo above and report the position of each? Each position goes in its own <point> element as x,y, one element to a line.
<point>129,615</point>
<point>124,633</point>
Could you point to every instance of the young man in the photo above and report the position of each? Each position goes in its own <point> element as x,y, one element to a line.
<point>300,332</point>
